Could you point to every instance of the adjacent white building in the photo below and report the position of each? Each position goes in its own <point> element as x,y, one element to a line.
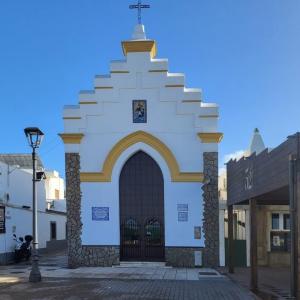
<point>16,203</point>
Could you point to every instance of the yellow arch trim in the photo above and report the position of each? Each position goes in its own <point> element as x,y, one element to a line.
<point>152,141</point>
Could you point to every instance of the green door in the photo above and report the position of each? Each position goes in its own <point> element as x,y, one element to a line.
<point>240,253</point>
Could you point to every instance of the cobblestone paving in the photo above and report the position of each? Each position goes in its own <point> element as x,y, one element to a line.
<point>79,289</point>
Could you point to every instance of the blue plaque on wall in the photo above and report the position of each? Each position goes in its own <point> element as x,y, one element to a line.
<point>182,216</point>
<point>182,207</point>
<point>100,213</point>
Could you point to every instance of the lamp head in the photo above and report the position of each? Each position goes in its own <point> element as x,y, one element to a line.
<point>34,136</point>
<point>40,176</point>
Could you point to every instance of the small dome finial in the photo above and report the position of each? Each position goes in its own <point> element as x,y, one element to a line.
<point>139,32</point>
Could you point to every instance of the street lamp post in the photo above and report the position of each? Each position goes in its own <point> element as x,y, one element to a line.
<point>34,136</point>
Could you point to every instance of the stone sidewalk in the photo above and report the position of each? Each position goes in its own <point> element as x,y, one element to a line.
<point>55,265</point>
<point>146,272</point>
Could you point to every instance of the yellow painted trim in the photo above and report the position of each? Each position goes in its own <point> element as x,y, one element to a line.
<point>88,102</point>
<point>71,138</point>
<point>152,141</point>
<point>191,101</point>
<point>119,72</point>
<point>174,85</point>
<point>71,118</point>
<point>103,87</point>
<point>210,137</point>
<point>209,116</point>
<point>158,71</point>
<point>139,46</point>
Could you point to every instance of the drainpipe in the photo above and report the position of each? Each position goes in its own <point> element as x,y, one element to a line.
<point>293,229</point>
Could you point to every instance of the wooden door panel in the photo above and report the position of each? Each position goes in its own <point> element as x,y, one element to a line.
<point>142,209</point>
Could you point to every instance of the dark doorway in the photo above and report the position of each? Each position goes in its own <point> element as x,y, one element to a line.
<point>53,230</point>
<point>142,209</point>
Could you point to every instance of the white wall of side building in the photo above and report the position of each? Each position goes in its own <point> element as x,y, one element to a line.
<point>16,197</point>
<point>19,222</point>
<point>54,185</point>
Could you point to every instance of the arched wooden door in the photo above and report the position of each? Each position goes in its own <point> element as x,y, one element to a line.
<point>141,209</point>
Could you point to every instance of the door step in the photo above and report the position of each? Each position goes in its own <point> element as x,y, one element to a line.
<point>142,264</point>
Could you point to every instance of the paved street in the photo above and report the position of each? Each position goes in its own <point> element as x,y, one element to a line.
<point>125,282</point>
<point>272,281</point>
<point>73,289</point>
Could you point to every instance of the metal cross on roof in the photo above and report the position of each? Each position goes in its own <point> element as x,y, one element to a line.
<point>139,7</point>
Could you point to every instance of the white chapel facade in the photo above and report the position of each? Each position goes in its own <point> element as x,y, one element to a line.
<point>141,154</point>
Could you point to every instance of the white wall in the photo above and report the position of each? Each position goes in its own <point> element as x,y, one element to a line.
<point>19,221</point>
<point>20,189</point>
<point>3,179</point>
<point>58,205</point>
<point>107,195</point>
<point>168,118</point>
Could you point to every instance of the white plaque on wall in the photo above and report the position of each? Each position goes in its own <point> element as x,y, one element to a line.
<point>198,258</point>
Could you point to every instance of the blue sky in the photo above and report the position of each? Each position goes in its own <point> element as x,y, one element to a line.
<point>244,54</point>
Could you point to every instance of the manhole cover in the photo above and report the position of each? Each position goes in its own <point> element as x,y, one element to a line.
<point>51,269</point>
<point>207,273</point>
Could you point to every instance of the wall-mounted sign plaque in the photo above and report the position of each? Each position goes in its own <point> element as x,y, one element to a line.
<point>2,219</point>
<point>182,210</point>
<point>182,216</point>
<point>249,178</point>
<point>182,207</point>
<point>100,213</point>
<point>197,232</point>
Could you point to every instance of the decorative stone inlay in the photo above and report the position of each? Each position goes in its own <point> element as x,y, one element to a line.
<point>73,199</point>
<point>181,256</point>
<point>210,209</point>
<point>79,255</point>
<point>100,256</point>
